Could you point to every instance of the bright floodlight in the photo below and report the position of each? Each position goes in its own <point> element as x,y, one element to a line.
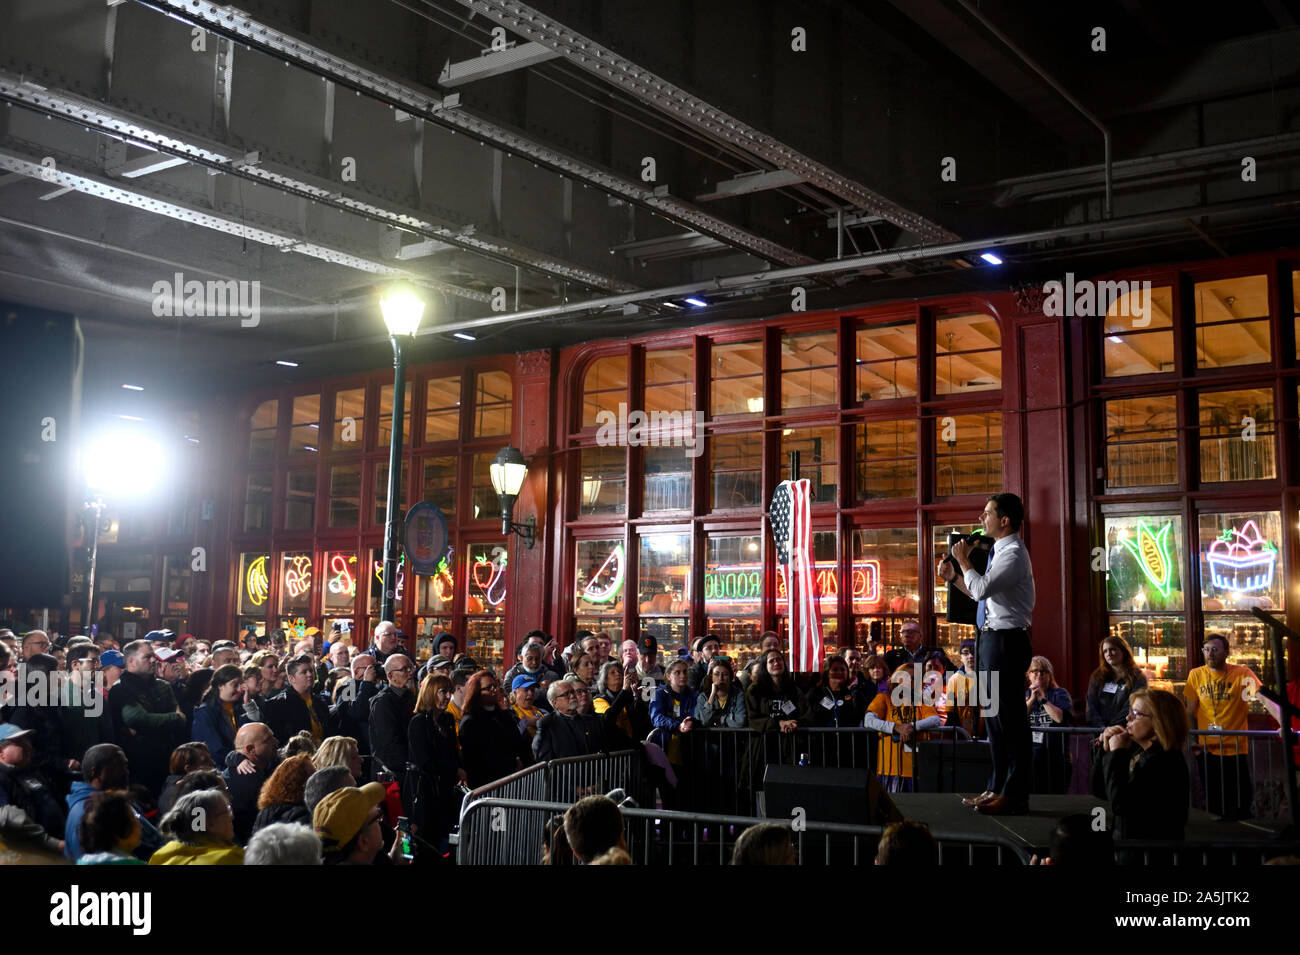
<point>123,464</point>
<point>402,308</point>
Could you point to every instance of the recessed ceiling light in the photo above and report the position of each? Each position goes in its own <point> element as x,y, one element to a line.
<point>286,364</point>
<point>134,387</point>
<point>990,258</point>
<point>464,336</point>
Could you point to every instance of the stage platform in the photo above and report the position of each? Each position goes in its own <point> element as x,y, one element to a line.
<point>944,811</point>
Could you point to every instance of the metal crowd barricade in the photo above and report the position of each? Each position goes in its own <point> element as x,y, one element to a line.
<point>571,778</point>
<point>497,831</point>
<point>526,785</point>
<point>1185,853</point>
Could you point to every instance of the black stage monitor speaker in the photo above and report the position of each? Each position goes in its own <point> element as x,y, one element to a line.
<point>847,796</point>
<point>40,365</point>
<point>947,767</point>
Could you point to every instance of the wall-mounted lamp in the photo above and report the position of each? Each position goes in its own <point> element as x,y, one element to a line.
<point>508,470</point>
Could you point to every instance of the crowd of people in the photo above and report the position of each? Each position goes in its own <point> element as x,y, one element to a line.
<point>219,753</point>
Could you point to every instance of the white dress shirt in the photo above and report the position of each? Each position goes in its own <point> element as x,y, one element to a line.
<point>1006,586</point>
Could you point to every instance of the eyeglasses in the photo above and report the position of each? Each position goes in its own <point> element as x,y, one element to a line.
<point>563,696</point>
<point>402,670</point>
<point>1135,715</point>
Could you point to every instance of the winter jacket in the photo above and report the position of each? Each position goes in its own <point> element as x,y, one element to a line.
<point>735,715</point>
<point>390,712</point>
<point>82,728</point>
<point>490,742</point>
<point>841,709</point>
<point>147,726</point>
<point>212,727</point>
<point>286,714</point>
<point>352,716</point>
<point>50,753</point>
<point>28,790</point>
<point>206,853</point>
<point>559,736</point>
<point>627,716</point>
<point>766,707</point>
<point>151,839</point>
<point>109,858</point>
<point>243,790</point>
<point>282,812</point>
<point>1110,707</point>
<point>1148,801</point>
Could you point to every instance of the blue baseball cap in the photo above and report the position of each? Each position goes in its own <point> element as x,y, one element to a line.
<point>112,658</point>
<point>522,680</point>
<point>10,733</point>
<point>160,636</point>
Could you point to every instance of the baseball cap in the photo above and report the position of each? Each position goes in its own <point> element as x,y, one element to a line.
<point>160,636</point>
<point>522,680</point>
<point>341,815</point>
<point>9,733</point>
<point>166,654</point>
<point>112,658</point>
<point>649,645</point>
<point>438,660</point>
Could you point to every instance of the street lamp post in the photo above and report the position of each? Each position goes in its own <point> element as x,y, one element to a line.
<point>402,308</point>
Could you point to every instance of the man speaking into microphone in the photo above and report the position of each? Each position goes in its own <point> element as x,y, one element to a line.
<point>1005,596</point>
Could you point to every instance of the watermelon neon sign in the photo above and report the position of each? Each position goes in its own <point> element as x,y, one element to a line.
<point>607,582</point>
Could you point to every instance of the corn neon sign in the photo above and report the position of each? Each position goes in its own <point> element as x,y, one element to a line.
<point>1151,551</point>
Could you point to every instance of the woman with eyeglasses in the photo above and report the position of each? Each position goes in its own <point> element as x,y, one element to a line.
<point>491,745</point>
<point>1144,773</point>
<point>1112,683</point>
<point>1048,705</point>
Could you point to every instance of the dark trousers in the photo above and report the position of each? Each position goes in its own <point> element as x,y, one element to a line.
<point>1228,788</point>
<point>1006,654</point>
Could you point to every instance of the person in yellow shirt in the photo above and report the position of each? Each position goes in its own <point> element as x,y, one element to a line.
<point>523,690</point>
<point>202,830</point>
<point>963,706</point>
<point>1218,696</point>
<point>902,714</point>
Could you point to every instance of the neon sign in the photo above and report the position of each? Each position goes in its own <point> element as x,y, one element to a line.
<point>444,584</point>
<point>256,584</point>
<point>494,587</point>
<point>297,576</point>
<point>342,583</point>
<point>599,593</point>
<point>1151,551</point>
<point>743,583</point>
<point>1242,560</point>
<point>401,575</point>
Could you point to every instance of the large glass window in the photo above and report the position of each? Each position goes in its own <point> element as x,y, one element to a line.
<point>437,592</point>
<point>1241,562</point>
<point>670,381</point>
<point>261,435</point>
<point>304,435</point>
<point>375,583</point>
<point>885,583</point>
<point>1138,331</point>
<point>667,473</point>
<point>818,459</point>
<point>257,502</point>
<point>600,571</point>
<point>809,371</point>
<point>381,493</point>
<point>386,415</point>
<point>442,409</point>
<point>603,488</point>
<point>664,587</point>
<point>485,573</point>
<point>339,593</point>
<point>968,354</point>
<point>484,503</point>
<point>886,459</point>
<point>733,592</point>
<point>946,634</point>
<point>493,397</point>
<point>254,584</point>
<point>345,495</point>
<point>1232,322</point>
<point>968,452</point>
<point>177,579</point>
<point>295,583</point>
<point>1142,441</point>
<point>349,419</point>
<point>736,466</point>
<point>1144,592</point>
<point>300,500</point>
<point>604,388</point>
<point>1237,435</point>
<point>440,483</point>
<point>886,365</point>
<point>736,373</point>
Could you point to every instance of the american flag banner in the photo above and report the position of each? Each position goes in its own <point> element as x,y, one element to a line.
<point>791,517</point>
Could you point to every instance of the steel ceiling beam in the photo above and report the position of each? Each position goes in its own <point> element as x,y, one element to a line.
<point>68,176</point>
<point>245,29</point>
<point>494,64</point>
<point>658,92</point>
<point>224,157</point>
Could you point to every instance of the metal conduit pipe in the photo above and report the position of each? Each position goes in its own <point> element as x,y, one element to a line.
<point>1050,81</point>
<point>855,263</point>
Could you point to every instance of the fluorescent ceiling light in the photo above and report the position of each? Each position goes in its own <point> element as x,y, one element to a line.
<point>134,387</point>
<point>464,336</point>
<point>129,417</point>
<point>697,302</point>
<point>990,258</point>
<point>286,364</point>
